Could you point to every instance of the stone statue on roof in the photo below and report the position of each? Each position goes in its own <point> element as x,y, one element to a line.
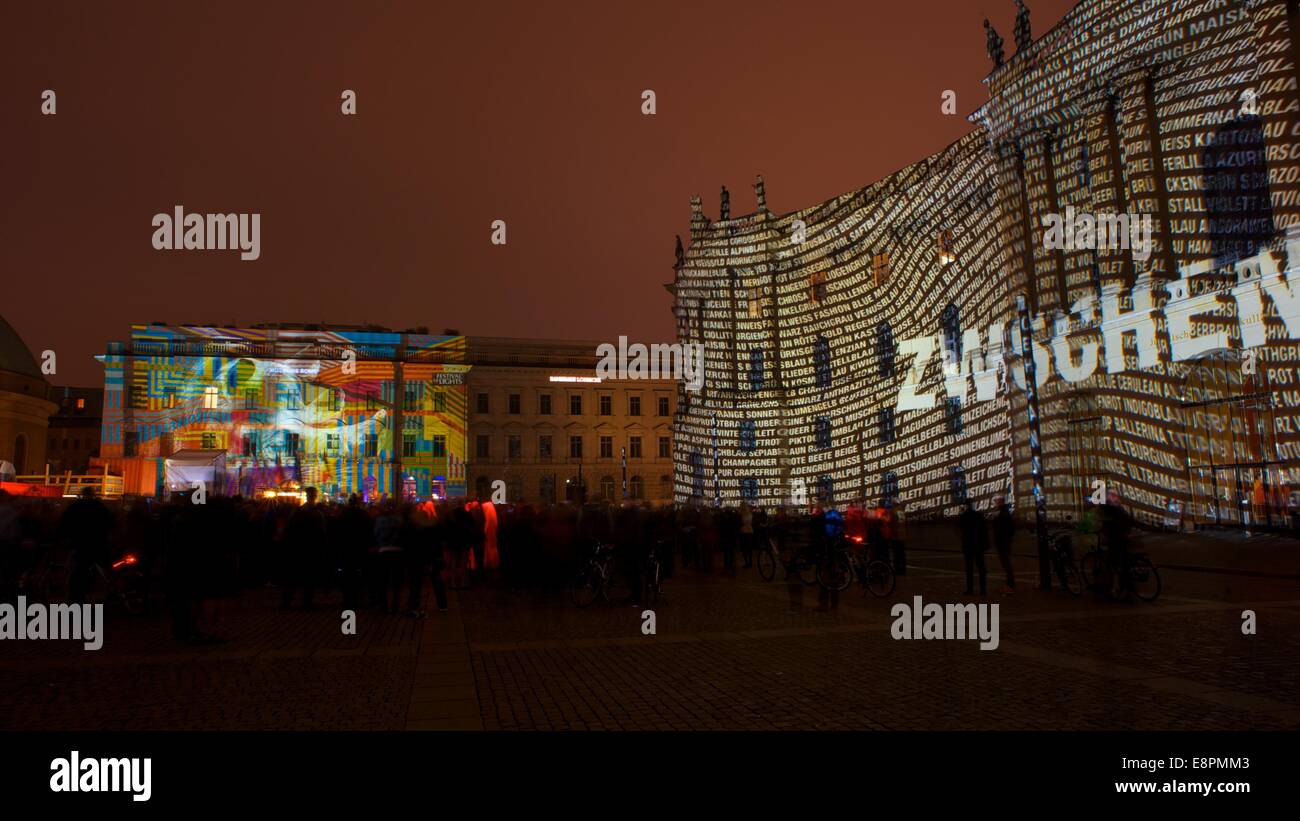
<point>994,44</point>
<point>1024,38</point>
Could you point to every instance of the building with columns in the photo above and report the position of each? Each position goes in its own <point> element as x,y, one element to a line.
<point>873,345</point>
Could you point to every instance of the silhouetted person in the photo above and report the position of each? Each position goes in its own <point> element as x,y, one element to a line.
<point>304,537</point>
<point>355,537</point>
<point>1004,529</point>
<point>974,543</point>
<point>86,525</point>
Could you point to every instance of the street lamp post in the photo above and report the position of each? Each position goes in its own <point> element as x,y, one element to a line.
<point>1035,442</point>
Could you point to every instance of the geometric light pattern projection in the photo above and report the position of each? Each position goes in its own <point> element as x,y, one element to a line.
<point>320,407</point>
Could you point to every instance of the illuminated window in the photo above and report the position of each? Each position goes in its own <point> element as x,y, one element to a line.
<point>411,398</point>
<point>634,447</point>
<point>943,243</point>
<point>514,447</point>
<point>822,432</point>
<point>958,482</point>
<point>886,424</point>
<point>210,397</point>
<point>606,447</point>
<point>880,268</point>
<point>81,404</point>
<point>440,446</point>
<point>482,446</point>
<point>408,444</point>
<point>817,288</point>
<point>756,369</point>
<point>885,350</point>
<point>291,443</point>
<point>748,436</point>
<point>822,362</point>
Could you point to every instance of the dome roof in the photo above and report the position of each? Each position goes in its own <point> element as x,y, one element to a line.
<point>14,355</point>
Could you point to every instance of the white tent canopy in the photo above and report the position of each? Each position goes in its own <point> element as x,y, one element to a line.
<point>186,468</point>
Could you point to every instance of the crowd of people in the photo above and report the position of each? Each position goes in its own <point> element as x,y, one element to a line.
<point>379,555</point>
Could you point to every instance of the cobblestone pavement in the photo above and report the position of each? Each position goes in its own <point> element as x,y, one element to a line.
<point>729,652</point>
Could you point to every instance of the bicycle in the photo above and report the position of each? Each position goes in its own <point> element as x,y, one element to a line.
<point>122,585</point>
<point>592,580</point>
<point>1138,575</point>
<point>837,571</point>
<point>1067,570</point>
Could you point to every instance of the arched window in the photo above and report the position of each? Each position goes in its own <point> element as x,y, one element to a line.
<point>607,488</point>
<point>822,432</point>
<point>958,481</point>
<point>636,487</point>
<point>950,322</point>
<point>889,486</point>
<point>822,362</point>
<point>885,350</point>
<point>748,436</point>
<point>756,369</point>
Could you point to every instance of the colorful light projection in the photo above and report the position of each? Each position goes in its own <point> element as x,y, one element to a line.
<point>316,408</point>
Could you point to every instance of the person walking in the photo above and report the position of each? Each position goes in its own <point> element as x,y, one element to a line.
<point>974,544</point>
<point>1004,529</point>
<point>747,534</point>
<point>304,538</point>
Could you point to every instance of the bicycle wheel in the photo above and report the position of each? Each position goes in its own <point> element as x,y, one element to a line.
<point>1092,568</point>
<point>879,578</point>
<point>130,592</point>
<point>1145,579</point>
<point>834,573</point>
<point>587,586</point>
<point>652,585</point>
<point>766,560</point>
<point>1071,577</point>
<point>807,570</point>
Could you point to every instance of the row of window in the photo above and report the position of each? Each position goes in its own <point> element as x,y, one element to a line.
<point>822,427</point>
<point>610,489</point>
<point>605,402</point>
<point>886,351</point>
<point>825,486</point>
<point>545,447</point>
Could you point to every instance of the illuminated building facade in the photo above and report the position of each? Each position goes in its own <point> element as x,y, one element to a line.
<point>544,423</point>
<point>870,346</point>
<point>345,409</point>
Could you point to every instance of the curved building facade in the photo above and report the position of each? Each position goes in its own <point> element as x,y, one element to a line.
<point>1123,204</point>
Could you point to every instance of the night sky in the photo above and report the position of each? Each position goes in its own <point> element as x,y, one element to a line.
<point>525,112</point>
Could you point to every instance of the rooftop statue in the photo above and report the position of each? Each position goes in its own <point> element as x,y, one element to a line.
<point>994,44</point>
<point>1024,38</point>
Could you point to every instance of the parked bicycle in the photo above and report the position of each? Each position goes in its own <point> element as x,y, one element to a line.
<point>1138,575</point>
<point>842,565</point>
<point>1062,555</point>
<point>593,579</point>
